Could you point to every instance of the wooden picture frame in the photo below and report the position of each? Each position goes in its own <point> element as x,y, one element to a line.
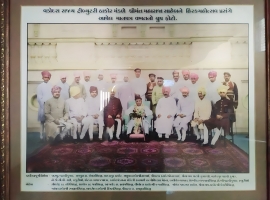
<point>10,158</point>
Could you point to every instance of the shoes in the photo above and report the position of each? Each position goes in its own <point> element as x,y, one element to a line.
<point>75,141</point>
<point>203,145</point>
<point>100,139</point>
<point>212,146</point>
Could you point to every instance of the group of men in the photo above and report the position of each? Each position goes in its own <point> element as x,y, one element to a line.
<point>76,108</point>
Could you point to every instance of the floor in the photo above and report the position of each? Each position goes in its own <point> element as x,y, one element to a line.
<point>34,143</point>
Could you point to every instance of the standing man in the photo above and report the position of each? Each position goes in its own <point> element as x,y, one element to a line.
<point>223,110</point>
<point>76,82</point>
<point>233,90</point>
<point>112,114</point>
<point>165,112</point>
<point>125,93</point>
<point>176,86</point>
<point>94,112</point>
<point>139,107</point>
<point>64,94</point>
<point>202,112</point>
<point>100,83</point>
<point>157,93</point>
<point>194,86</point>
<point>77,113</point>
<point>186,79</point>
<point>149,88</point>
<point>56,113</point>
<point>87,82</point>
<point>185,109</point>
<point>43,94</point>
<point>113,82</point>
<point>212,88</point>
<point>139,84</point>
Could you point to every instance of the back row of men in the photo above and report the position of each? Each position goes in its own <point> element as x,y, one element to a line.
<point>182,91</point>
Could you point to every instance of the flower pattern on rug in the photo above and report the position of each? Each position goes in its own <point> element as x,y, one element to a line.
<point>100,161</point>
<point>127,161</point>
<point>127,150</point>
<point>174,162</point>
<point>199,162</point>
<point>193,151</point>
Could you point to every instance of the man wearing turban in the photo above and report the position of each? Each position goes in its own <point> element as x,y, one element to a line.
<point>113,83</point>
<point>185,109</point>
<point>78,112</point>
<point>193,89</point>
<point>43,94</point>
<point>76,82</point>
<point>112,115</point>
<point>165,112</point>
<point>185,82</point>
<point>139,108</point>
<point>94,112</point>
<point>125,93</point>
<point>212,87</point>
<point>157,93</point>
<point>223,110</point>
<point>139,84</point>
<point>176,86</point>
<point>56,113</point>
<point>202,112</point>
<point>233,90</point>
<point>64,86</point>
<point>101,84</point>
<point>87,83</point>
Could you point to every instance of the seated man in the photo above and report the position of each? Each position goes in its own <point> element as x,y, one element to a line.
<point>112,114</point>
<point>138,113</point>
<point>185,109</point>
<point>56,113</point>
<point>78,112</point>
<point>165,112</point>
<point>94,112</point>
<point>223,110</point>
<point>202,112</point>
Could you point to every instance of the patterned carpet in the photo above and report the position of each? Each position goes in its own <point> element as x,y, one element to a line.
<point>119,156</point>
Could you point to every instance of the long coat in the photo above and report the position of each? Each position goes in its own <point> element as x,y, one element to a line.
<point>113,108</point>
<point>55,109</point>
<point>43,94</point>
<point>223,107</point>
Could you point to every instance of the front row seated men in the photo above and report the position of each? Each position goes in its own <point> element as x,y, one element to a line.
<point>77,113</point>
<point>112,114</point>
<point>140,109</point>
<point>56,113</point>
<point>165,112</point>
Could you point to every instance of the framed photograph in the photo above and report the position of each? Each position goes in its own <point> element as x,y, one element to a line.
<point>134,101</point>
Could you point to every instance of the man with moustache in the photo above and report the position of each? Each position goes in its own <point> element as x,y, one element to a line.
<point>212,88</point>
<point>64,94</point>
<point>185,109</point>
<point>165,112</point>
<point>76,82</point>
<point>186,79</point>
<point>233,90</point>
<point>223,109</point>
<point>112,114</point>
<point>125,93</point>
<point>149,88</point>
<point>139,84</point>
<point>56,113</point>
<point>101,84</point>
<point>194,86</point>
<point>202,112</point>
<point>113,82</point>
<point>77,113</point>
<point>87,83</point>
<point>176,86</point>
<point>43,94</point>
<point>94,112</point>
<point>157,93</point>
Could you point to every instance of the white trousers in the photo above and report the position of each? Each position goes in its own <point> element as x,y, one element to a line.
<point>118,130</point>
<point>184,134</point>
<point>167,135</point>
<point>77,127</point>
<point>131,124</point>
<point>98,121</point>
<point>217,134</point>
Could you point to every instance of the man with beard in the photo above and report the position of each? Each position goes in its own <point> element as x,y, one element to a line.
<point>64,94</point>
<point>139,84</point>
<point>157,93</point>
<point>56,113</point>
<point>233,90</point>
<point>185,109</point>
<point>149,88</point>
<point>112,114</point>
<point>139,108</point>
<point>94,112</point>
<point>125,93</point>
<point>202,112</point>
<point>194,86</point>
<point>165,112</point>
<point>87,83</point>
<point>223,110</point>
<point>78,112</point>
<point>43,94</point>
<point>76,82</point>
